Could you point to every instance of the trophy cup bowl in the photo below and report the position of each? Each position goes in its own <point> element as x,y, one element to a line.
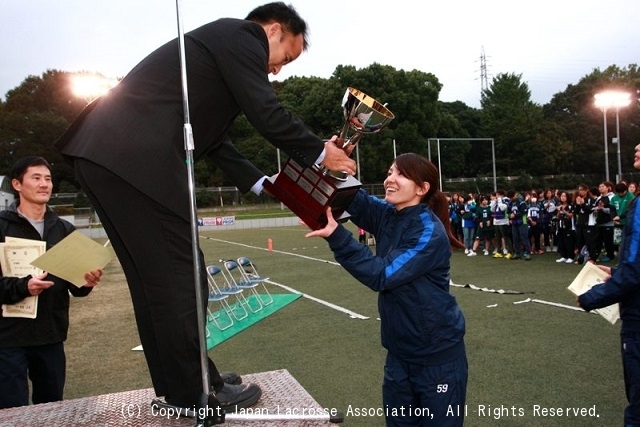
<point>309,191</point>
<point>362,114</point>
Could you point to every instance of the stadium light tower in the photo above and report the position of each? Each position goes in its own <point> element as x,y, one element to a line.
<point>604,101</point>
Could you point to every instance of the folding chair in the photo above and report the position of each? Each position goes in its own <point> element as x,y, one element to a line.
<point>237,280</point>
<point>238,310</point>
<point>215,296</point>
<point>250,274</point>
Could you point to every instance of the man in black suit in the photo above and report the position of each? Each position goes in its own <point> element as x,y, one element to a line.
<point>128,151</point>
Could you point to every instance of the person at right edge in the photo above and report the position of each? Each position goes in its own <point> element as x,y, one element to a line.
<point>422,327</point>
<point>128,152</point>
<point>623,288</point>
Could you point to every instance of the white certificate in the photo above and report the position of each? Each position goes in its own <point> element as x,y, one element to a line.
<point>589,276</point>
<point>15,259</point>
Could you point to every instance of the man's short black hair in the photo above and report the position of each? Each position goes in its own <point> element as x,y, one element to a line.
<point>621,187</point>
<point>20,167</point>
<point>283,14</point>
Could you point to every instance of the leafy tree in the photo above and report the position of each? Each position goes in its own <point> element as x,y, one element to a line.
<point>412,96</point>
<point>34,115</point>
<point>462,157</point>
<point>316,101</point>
<point>564,136</point>
<point>513,120</point>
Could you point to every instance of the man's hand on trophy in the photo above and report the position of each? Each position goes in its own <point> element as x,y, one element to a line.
<point>338,160</point>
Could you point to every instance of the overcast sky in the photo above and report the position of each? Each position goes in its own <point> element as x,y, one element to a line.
<point>551,43</point>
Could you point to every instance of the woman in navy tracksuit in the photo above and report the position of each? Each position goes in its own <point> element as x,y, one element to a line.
<point>422,326</point>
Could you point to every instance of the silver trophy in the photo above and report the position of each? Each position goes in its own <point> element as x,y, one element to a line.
<point>362,114</point>
<point>309,191</point>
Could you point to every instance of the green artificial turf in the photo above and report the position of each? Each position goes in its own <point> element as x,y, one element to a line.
<point>524,358</point>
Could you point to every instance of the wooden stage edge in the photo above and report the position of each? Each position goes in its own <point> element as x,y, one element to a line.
<point>284,402</point>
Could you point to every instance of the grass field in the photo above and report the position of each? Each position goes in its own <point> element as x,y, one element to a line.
<point>524,359</point>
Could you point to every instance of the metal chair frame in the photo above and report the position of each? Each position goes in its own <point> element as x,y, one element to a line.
<point>250,274</point>
<point>238,311</point>
<point>241,283</point>
<point>216,296</point>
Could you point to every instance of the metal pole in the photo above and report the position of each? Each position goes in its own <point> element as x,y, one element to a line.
<point>394,149</point>
<point>619,148</point>
<point>439,165</point>
<point>279,170</point>
<point>606,149</point>
<point>493,156</point>
<point>358,161</point>
<point>189,147</point>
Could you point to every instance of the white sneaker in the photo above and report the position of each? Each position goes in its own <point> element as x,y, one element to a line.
<point>561,260</point>
<point>486,252</point>
<point>569,261</point>
<point>471,253</point>
<point>466,251</point>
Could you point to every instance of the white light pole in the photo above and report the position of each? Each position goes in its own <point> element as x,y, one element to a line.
<point>623,102</point>
<point>603,106</point>
<point>617,100</point>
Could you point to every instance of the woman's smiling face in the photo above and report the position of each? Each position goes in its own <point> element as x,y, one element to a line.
<point>401,191</point>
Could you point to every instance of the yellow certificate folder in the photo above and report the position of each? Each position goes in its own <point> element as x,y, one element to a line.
<point>73,257</point>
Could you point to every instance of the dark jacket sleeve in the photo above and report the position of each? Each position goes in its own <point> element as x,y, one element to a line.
<point>13,289</point>
<point>239,169</point>
<point>81,291</point>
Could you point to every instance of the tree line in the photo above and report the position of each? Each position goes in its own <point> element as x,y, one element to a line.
<point>562,138</point>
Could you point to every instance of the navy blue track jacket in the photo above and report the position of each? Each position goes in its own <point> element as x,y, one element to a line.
<point>624,284</point>
<point>420,320</point>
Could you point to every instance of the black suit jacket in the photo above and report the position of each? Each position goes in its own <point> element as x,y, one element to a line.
<point>136,130</point>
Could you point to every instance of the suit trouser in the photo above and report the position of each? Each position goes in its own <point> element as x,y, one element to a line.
<point>153,245</point>
<point>44,365</point>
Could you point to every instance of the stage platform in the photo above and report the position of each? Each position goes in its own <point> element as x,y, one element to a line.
<point>281,395</point>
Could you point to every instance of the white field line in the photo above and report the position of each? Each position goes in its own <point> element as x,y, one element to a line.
<point>351,314</point>
<point>265,249</point>
<point>539,301</point>
<point>555,304</point>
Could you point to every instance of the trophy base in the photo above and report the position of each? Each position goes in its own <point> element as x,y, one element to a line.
<point>308,192</point>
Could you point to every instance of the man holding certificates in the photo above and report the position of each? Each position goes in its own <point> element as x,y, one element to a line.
<point>623,287</point>
<point>35,305</point>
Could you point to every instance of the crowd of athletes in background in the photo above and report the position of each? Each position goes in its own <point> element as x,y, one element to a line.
<point>579,226</point>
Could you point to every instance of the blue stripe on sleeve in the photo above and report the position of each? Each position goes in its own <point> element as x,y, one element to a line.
<point>634,244</point>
